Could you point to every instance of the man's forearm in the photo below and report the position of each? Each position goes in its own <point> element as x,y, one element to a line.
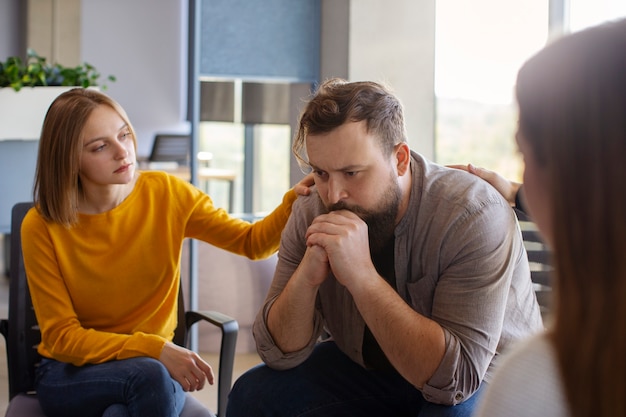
<point>414,344</point>
<point>290,318</point>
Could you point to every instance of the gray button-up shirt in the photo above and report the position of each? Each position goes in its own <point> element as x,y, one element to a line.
<point>459,260</point>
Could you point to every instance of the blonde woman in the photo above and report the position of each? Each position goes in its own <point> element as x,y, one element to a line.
<point>102,253</point>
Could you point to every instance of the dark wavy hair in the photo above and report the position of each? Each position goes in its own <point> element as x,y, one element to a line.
<point>338,101</point>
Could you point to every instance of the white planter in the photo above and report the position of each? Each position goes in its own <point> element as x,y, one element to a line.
<point>22,112</point>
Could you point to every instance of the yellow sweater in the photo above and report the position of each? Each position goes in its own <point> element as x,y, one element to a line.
<point>107,288</point>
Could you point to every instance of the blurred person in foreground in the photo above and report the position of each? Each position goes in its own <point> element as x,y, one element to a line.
<point>572,135</point>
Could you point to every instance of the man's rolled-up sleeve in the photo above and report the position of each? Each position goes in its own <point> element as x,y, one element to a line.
<point>270,353</point>
<point>479,257</point>
<point>292,248</point>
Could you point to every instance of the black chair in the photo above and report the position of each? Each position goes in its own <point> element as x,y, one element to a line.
<point>539,259</point>
<point>22,336</point>
<point>171,148</point>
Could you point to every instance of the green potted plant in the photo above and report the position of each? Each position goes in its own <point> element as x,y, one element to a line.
<point>37,72</point>
<point>28,87</point>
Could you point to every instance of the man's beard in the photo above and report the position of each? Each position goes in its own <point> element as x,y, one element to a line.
<point>381,221</point>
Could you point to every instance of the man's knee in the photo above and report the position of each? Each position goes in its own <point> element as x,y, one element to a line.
<point>247,390</point>
<point>116,410</point>
<point>254,380</point>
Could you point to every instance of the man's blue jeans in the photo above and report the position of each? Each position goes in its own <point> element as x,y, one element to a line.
<point>330,384</point>
<point>136,387</point>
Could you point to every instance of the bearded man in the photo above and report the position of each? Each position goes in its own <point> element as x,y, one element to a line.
<point>399,281</point>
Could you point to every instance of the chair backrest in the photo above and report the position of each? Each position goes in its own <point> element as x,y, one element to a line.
<point>539,259</point>
<point>171,148</point>
<point>23,331</point>
<point>23,335</point>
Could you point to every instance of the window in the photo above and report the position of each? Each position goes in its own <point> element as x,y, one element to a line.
<point>245,127</point>
<point>271,170</point>
<point>261,51</point>
<point>584,13</point>
<point>224,141</point>
<point>270,167</point>
<point>479,47</point>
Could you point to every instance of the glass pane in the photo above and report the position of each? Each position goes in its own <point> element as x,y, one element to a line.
<point>224,142</point>
<point>271,166</point>
<point>479,47</point>
<point>584,13</point>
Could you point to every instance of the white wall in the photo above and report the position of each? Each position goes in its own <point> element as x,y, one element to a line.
<point>144,44</point>
<point>394,42</point>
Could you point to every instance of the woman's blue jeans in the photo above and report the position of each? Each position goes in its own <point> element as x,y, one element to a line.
<point>330,384</point>
<point>136,387</point>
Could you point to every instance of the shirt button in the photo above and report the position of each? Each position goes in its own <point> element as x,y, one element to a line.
<point>458,396</point>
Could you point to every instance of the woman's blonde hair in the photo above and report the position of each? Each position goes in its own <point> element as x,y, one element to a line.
<point>57,187</point>
<point>572,104</point>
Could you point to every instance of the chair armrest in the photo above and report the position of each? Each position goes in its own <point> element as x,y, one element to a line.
<point>230,329</point>
<point>4,328</point>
